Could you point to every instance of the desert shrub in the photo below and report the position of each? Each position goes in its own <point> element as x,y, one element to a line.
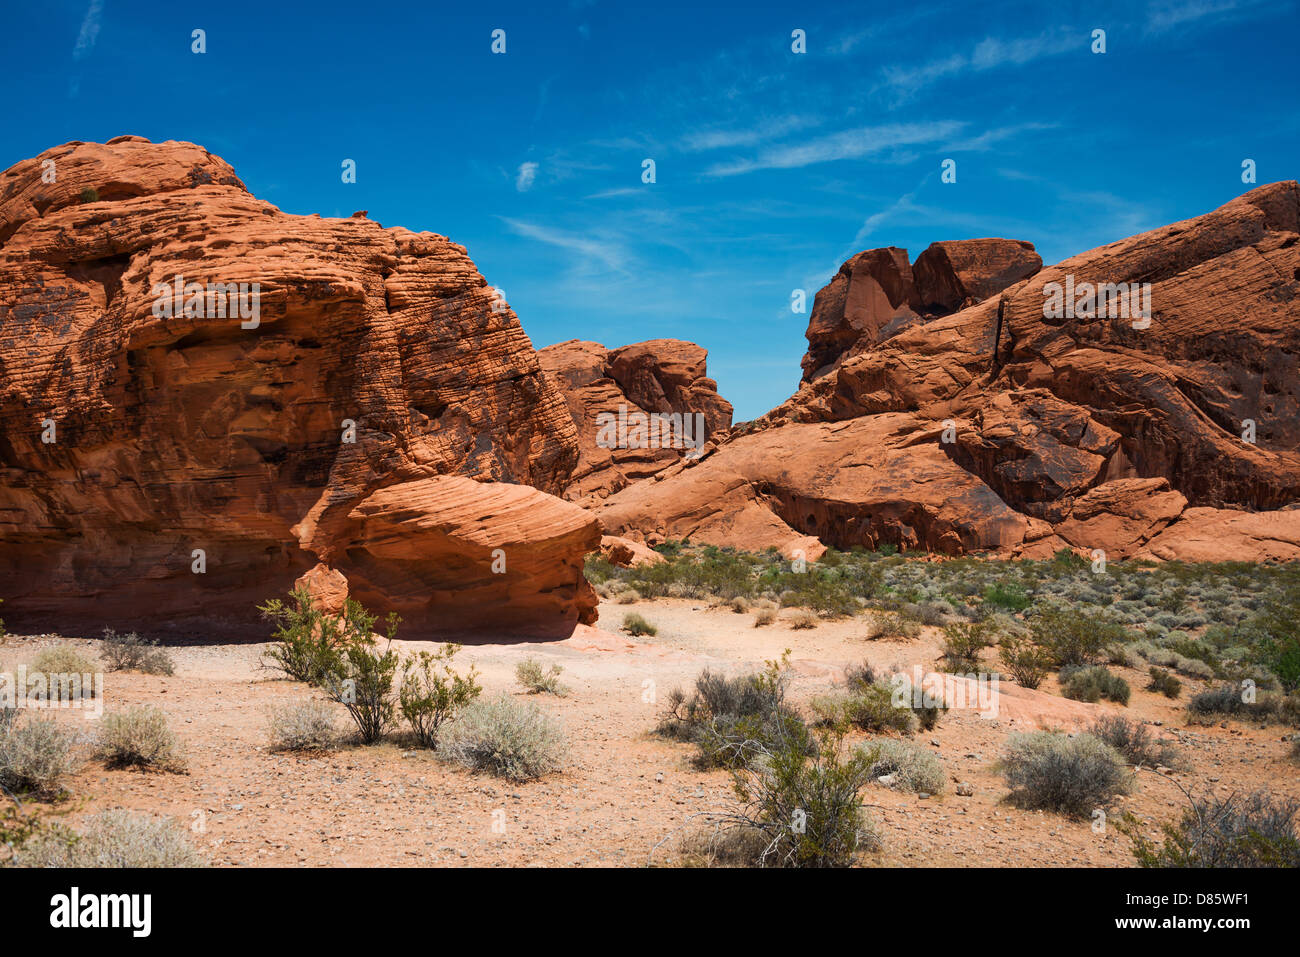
<point>1094,683</point>
<point>764,616</point>
<point>537,678</point>
<point>729,719</point>
<point>130,652</point>
<point>59,674</point>
<point>933,613</point>
<point>911,768</point>
<point>1254,830</point>
<point>1007,595</point>
<point>859,677</point>
<point>739,604</point>
<point>90,195</point>
<point>628,596</point>
<point>302,726</point>
<point>113,839</point>
<point>803,619</point>
<point>1027,663</point>
<point>634,624</point>
<point>1122,657</point>
<point>35,756</point>
<point>598,569</point>
<point>363,683</point>
<point>1165,683</point>
<point>63,659</point>
<point>893,625</point>
<point>139,737</point>
<point>816,787</point>
<point>1072,635</point>
<point>1135,742</point>
<point>1069,775</point>
<point>308,643</point>
<point>1194,668</point>
<point>1278,631</point>
<point>508,738</point>
<point>869,709</point>
<point>1234,701</point>
<point>432,692</point>
<point>963,643</point>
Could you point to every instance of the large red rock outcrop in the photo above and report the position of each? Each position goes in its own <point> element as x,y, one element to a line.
<point>665,377</point>
<point>137,447</point>
<point>1094,428</point>
<point>876,294</point>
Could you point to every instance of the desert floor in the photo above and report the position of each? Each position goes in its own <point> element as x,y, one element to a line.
<point>625,792</point>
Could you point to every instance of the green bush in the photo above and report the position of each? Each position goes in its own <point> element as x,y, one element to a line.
<point>1027,663</point>
<point>1074,636</point>
<point>507,738</point>
<point>802,809</point>
<point>139,737</point>
<point>1007,595</point>
<point>363,683</point>
<point>1165,683</point>
<point>308,642</point>
<point>1069,775</point>
<point>869,709</point>
<point>1094,683</point>
<point>634,624</point>
<point>537,678</point>
<point>433,693</point>
<point>1254,830</point>
<point>963,643</point>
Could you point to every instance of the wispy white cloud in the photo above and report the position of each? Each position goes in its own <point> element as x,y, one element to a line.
<point>752,135</point>
<point>525,177</point>
<point>990,53</point>
<point>590,250</point>
<point>848,144</point>
<point>1167,14</point>
<point>89,29</point>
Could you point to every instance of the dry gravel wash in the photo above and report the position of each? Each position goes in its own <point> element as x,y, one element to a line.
<point>624,790</point>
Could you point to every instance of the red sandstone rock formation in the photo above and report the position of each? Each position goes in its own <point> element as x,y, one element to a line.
<point>1004,426</point>
<point>665,376</point>
<point>321,440</point>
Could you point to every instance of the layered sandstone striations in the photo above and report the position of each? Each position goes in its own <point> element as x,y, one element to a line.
<point>326,437</point>
<point>664,377</point>
<point>1012,426</point>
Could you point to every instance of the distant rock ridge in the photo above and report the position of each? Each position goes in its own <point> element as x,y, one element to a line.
<point>946,407</point>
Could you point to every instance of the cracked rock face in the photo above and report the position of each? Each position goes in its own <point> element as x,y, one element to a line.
<point>999,427</point>
<point>380,362</point>
<point>663,376</point>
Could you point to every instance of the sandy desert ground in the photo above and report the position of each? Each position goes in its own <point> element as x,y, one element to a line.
<point>625,793</point>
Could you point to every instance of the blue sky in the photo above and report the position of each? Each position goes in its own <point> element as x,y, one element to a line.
<point>772,167</point>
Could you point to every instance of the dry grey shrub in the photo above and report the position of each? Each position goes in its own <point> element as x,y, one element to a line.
<point>113,839</point>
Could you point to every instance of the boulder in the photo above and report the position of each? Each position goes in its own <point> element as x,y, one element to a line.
<point>167,463</point>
